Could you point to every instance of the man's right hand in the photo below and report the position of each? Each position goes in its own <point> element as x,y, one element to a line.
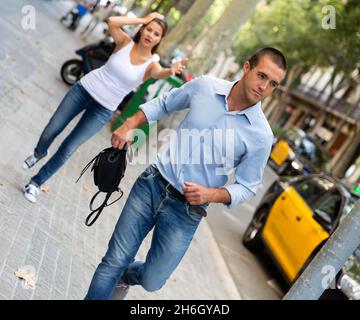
<point>121,136</point>
<point>124,134</point>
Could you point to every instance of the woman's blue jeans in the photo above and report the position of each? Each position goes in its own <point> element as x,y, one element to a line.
<point>93,119</point>
<point>149,205</point>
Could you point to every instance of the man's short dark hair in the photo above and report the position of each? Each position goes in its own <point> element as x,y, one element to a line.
<point>275,55</point>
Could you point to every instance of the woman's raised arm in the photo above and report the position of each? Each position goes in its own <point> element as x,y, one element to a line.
<point>116,22</point>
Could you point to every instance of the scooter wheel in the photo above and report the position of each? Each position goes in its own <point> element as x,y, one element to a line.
<point>71,71</point>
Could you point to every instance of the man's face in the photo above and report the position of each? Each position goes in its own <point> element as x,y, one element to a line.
<point>261,80</point>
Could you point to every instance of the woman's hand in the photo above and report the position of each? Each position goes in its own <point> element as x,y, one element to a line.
<point>152,16</point>
<point>157,72</point>
<point>178,67</point>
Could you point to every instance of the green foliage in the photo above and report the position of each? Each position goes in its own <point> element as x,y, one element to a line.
<point>140,3</point>
<point>295,27</point>
<point>173,17</point>
<point>277,131</point>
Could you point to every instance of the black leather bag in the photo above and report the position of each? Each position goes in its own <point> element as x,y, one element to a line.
<point>109,168</point>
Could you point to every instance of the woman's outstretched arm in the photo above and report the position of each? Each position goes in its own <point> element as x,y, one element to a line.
<point>158,72</point>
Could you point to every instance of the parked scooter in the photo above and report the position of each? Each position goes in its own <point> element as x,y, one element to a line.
<point>93,56</point>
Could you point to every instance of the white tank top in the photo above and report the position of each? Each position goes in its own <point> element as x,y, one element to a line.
<point>110,83</point>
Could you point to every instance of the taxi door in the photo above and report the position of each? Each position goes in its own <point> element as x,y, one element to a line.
<point>291,233</point>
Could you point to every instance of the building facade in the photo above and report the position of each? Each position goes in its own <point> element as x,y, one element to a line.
<point>328,108</point>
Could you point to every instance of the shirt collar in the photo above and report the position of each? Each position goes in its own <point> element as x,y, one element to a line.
<point>224,87</point>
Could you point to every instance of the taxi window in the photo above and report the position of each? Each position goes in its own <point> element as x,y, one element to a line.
<point>311,189</point>
<point>309,150</point>
<point>328,206</point>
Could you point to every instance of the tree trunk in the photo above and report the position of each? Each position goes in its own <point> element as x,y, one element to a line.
<point>293,74</point>
<point>184,26</point>
<point>168,7</point>
<point>159,6</point>
<point>220,35</point>
<point>129,4</point>
<point>184,5</point>
<point>146,9</point>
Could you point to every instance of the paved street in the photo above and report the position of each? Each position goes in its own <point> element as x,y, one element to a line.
<point>255,276</point>
<point>49,238</point>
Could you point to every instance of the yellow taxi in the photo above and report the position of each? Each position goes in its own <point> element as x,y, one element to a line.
<point>295,218</point>
<point>296,152</point>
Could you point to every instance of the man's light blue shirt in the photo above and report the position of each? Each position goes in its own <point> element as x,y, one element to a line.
<point>212,142</point>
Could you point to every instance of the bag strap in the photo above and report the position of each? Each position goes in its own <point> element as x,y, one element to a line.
<point>98,210</point>
<point>87,167</point>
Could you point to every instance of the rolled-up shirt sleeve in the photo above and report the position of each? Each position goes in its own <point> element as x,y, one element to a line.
<point>174,100</point>
<point>248,175</point>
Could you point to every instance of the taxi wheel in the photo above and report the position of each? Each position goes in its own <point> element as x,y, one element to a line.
<point>252,236</point>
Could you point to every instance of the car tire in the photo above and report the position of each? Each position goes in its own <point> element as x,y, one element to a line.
<point>252,237</point>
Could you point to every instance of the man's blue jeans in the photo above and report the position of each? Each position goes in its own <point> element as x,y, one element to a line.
<point>149,205</point>
<point>93,119</point>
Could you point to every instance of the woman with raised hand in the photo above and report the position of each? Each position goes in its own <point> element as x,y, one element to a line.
<point>98,94</point>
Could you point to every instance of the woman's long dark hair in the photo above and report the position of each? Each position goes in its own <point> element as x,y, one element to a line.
<point>161,23</point>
